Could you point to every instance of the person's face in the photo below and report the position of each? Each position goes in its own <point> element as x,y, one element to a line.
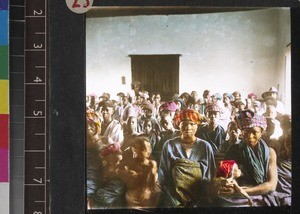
<point>194,95</point>
<point>248,102</point>
<point>148,113</point>
<point>241,107</point>
<point>252,135</point>
<point>233,132</point>
<point>157,99</point>
<point>207,97</point>
<point>178,105</point>
<point>166,121</point>
<point>188,129</point>
<point>237,96</point>
<point>252,98</point>
<point>148,127</point>
<point>91,129</point>
<point>236,172</point>
<point>107,112</point>
<point>132,122</point>
<point>195,107</point>
<point>121,100</point>
<point>271,111</point>
<point>125,101</point>
<point>214,116</point>
<point>138,100</point>
<point>226,100</point>
<point>274,95</point>
<point>144,150</point>
<point>256,108</point>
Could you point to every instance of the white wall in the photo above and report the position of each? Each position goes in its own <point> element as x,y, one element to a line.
<point>222,52</point>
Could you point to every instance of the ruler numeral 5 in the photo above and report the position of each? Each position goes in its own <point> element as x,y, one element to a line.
<point>37,113</point>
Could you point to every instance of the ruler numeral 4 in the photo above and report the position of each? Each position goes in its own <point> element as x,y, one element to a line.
<point>38,181</point>
<point>76,4</point>
<point>37,13</point>
<point>37,79</point>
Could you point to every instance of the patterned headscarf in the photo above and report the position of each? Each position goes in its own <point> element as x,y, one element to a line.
<point>225,168</point>
<point>92,117</point>
<point>213,107</point>
<point>110,149</point>
<point>188,114</point>
<point>248,119</point>
<point>170,106</point>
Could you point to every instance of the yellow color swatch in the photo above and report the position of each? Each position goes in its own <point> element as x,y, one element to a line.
<point>4,97</point>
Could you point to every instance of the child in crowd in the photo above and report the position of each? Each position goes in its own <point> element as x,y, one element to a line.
<point>227,172</point>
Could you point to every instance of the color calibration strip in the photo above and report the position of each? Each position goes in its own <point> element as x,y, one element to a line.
<point>4,108</point>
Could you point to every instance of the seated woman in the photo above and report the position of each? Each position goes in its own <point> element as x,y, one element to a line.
<point>139,175</point>
<point>186,165</point>
<point>110,190</point>
<point>93,140</point>
<point>256,160</point>
<point>283,149</point>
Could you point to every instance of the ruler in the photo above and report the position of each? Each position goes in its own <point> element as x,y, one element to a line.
<point>36,86</point>
<point>16,85</point>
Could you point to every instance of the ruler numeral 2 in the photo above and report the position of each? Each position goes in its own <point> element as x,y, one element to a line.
<point>37,13</point>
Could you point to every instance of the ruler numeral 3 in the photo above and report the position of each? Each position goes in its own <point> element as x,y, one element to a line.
<point>37,46</point>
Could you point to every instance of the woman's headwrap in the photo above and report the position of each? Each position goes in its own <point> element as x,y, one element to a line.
<point>168,106</point>
<point>230,96</point>
<point>213,107</point>
<point>92,117</point>
<point>225,168</point>
<point>188,115</point>
<point>110,149</point>
<point>248,119</point>
<point>252,95</point>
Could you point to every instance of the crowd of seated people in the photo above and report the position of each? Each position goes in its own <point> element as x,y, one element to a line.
<point>143,151</point>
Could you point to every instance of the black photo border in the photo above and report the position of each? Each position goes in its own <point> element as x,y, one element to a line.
<point>67,83</point>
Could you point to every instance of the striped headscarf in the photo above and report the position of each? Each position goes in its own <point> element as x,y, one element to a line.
<point>188,114</point>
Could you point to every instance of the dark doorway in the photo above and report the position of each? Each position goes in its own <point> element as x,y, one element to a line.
<point>157,73</point>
